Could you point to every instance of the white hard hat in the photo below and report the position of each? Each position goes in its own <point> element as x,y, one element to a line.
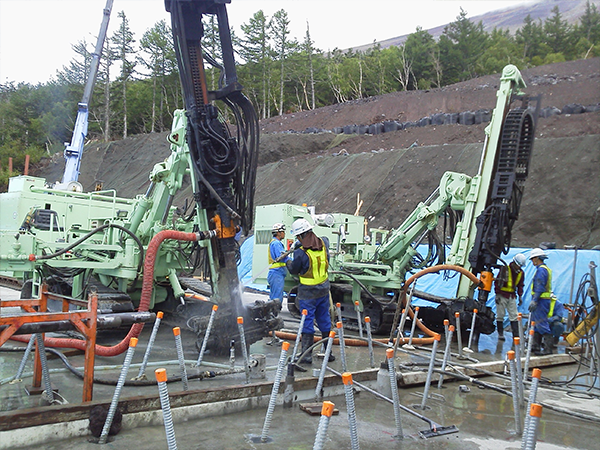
<point>538,253</point>
<point>519,259</point>
<point>300,226</point>
<point>277,227</point>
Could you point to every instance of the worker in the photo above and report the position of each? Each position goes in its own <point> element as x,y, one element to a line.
<point>541,293</point>
<point>310,262</point>
<point>556,319</point>
<point>277,270</point>
<point>508,285</point>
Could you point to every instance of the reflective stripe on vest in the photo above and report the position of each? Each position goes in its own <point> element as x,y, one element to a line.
<point>509,286</point>
<point>317,267</point>
<point>552,304</point>
<point>273,264</point>
<point>548,289</point>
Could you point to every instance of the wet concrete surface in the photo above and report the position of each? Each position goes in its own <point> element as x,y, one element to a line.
<point>484,417</point>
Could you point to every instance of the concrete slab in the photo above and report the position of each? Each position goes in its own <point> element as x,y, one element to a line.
<point>224,412</point>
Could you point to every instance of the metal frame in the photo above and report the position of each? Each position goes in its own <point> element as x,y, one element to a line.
<point>36,312</point>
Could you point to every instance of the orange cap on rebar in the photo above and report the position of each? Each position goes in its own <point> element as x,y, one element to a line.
<point>417,308</point>
<point>356,302</point>
<point>519,316</point>
<point>403,309</point>
<point>367,319</point>
<point>338,324</point>
<point>437,336</point>
<point>338,305</point>
<point>475,311</point>
<point>389,353</point>
<point>161,375</point>
<point>347,378</point>
<point>133,342</point>
<point>332,334</point>
<point>215,307</point>
<point>536,410</point>
<point>159,315</point>
<point>451,328</point>
<point>511,354</point>
<point>285,346</point>
<point>446,322</point>
<point>532,323</point>
<point>457,314</point>
<point>536,373</point>
<point>304,312</point>
<point>240,320</point>
<point>327,408</point>
<point>517,340</point>
<point>531,331</point>
<point>176,331</point>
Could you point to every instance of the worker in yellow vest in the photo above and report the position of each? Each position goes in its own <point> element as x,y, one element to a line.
<point>508,285</point>
<point>277,270</point>
<point>311,262</point>
<point>541,293</point>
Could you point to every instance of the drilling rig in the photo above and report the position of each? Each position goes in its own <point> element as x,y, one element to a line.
<point>371,266</point>
<point>141,253</point>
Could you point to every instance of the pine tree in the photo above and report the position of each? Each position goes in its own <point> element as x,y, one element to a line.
<point>123,41</point>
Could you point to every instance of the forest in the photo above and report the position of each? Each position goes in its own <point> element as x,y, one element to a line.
<point>137,87</point>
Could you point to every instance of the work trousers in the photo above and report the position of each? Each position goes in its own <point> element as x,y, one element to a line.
<point>276,278</point>
<point>504,304</point>
<point>317,309</point>
<point>540,316</point>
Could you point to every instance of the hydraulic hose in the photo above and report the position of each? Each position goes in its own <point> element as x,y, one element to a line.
<point>147,286</point>
<point>416,276</point>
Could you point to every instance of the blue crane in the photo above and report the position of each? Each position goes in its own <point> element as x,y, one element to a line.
<point>74,150</point>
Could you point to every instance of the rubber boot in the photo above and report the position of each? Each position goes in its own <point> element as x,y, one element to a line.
<point>514,326</point>
<point>536,347</point>
<point>307,341</point>
<point>324,338</point>
<point>500,328</point>
<point>547,340</point>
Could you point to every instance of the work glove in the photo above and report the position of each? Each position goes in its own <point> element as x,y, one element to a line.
<point>296,245</point>
<point>532,306</point>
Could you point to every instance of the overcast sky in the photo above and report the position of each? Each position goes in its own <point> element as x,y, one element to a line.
<point>36,35</point>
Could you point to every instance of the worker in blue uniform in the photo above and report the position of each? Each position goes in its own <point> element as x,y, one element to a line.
<point>277,270</point>
<point>311,262</point>
<point>541,293</point>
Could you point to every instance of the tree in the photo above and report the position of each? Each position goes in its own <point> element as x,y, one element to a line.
<point>502,50</point>
<point>283,45</point>
<point>590,23</point>
<point>123,41</point>
<point>157,44</point>
<point>461,46</point>
<point>557,33</point>
<point>256,52</point>
<point>418,49</point>
<point>530,37</point>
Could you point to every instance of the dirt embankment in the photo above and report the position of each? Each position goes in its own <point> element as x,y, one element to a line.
<point>394,171</point>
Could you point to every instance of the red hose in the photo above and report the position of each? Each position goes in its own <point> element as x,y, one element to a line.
<point>147,286</point>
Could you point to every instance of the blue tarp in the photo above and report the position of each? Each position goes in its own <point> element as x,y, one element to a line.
<point>560,261</point>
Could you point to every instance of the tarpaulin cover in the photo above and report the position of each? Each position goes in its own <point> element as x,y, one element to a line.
<point>565,281</point>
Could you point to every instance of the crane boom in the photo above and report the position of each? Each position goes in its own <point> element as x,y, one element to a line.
<point>74,150</point>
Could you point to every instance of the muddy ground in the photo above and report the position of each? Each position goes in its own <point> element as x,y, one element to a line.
<point>394,171</point>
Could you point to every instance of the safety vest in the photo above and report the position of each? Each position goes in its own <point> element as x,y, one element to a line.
<point>273,264</point>
<point>509,286</point>
<point>317,267</point>
<point>548,289</point>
